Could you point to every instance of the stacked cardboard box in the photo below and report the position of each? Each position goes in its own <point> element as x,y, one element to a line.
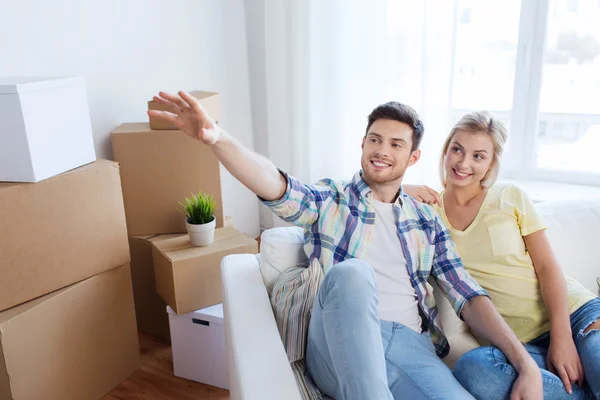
<point>160,166</point>
<point>150,306</point>
<point>188,277</point>
<point>67,322</point>
<point>75,343</point>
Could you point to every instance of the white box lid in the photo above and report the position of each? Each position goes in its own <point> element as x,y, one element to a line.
<point>212,314</point>
<point>21,84</point>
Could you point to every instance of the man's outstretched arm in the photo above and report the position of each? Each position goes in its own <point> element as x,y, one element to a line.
<point>253,170</point>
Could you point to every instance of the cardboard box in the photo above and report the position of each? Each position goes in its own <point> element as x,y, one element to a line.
<point>73,344</point>
<point>45,125</point>
<point>199,352</point>
<point>149,306</point>
<point>158,170</point>
<point>188,277</point>
<point>60,231</point>
<point>209,100</point>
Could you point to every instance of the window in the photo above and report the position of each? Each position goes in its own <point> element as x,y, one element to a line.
<point>536,65</point>
<point>568,134</point>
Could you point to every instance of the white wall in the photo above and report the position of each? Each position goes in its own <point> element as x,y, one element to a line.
<point>128,50</point>
<point>257,68</point>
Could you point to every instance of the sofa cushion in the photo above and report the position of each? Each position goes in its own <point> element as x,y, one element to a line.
<point>280,248</point>
<point>572,232</point>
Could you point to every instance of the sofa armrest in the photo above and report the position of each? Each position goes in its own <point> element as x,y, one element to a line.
<point>258,365</point>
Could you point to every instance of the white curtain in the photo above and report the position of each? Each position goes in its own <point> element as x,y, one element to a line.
<point>318,68</point>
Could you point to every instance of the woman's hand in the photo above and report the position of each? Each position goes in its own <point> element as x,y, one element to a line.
<point>563,361</point>
<point>423,193</point>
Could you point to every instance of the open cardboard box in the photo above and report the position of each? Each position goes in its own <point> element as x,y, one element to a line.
<point>188,277</point>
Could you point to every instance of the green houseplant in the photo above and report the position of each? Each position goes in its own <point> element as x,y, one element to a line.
<point>199,210</point>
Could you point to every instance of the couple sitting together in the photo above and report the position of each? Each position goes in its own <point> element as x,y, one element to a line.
<point>374,330</point>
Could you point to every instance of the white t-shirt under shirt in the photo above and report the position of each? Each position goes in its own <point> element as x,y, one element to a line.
<point>397,297</point>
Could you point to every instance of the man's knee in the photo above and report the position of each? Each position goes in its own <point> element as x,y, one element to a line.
<point>352,274</point>
<point>483,372</point>
<point>471,364</point>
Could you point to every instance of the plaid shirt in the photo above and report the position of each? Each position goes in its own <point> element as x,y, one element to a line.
<point>338,218</point>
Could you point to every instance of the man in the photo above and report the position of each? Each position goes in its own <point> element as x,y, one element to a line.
<point>378,248</point>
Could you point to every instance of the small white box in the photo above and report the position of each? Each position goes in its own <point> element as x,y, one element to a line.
<point>198,342</point>
<point>45,128</point>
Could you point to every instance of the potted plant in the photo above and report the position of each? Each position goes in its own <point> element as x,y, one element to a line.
<point>200,219</point>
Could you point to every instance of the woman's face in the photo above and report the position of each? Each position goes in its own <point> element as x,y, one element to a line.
<point>468,158</point>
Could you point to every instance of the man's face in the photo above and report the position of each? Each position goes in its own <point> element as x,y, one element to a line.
<point>386,151</point>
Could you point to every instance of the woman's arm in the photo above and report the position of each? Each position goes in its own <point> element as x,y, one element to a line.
<point>563,358</point>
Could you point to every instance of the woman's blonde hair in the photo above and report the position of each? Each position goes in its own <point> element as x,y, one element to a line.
<point>479,122</point>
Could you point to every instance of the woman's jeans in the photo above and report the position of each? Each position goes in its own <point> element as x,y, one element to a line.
<point>486,373</point>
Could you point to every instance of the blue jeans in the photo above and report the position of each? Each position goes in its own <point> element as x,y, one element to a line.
<point>351,354</point>
<point>486,373</point>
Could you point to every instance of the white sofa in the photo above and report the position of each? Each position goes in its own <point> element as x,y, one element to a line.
<point>258,366</point>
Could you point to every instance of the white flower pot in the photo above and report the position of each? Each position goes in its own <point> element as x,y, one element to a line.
<point>201,235</point>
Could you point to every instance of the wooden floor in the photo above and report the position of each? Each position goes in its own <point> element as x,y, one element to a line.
<point>155,379</point>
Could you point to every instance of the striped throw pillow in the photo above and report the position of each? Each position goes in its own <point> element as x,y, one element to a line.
<point>292,300</point>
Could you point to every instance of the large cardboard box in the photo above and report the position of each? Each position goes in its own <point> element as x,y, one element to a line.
<point>210,101</point>
<point>73,344</point>
<point>45,125</point>
<point>60,231</point>
<point>188,277</point>
<point>158,170</point>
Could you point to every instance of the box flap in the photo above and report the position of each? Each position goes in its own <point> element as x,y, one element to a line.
<point>154,238</point>
<point>22,84</point>
<point>166,236</point>
<point>143,237</point>
<point>179,247</point>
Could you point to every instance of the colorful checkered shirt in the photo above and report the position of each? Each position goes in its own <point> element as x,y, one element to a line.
<point>338,218</point>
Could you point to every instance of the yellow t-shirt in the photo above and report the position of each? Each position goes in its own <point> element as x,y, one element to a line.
<point>493,251</point>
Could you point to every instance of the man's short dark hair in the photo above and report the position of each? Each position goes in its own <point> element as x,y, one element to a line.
<point>401,113</point>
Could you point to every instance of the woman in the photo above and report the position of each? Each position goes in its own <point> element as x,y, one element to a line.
<point>501,240</point>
